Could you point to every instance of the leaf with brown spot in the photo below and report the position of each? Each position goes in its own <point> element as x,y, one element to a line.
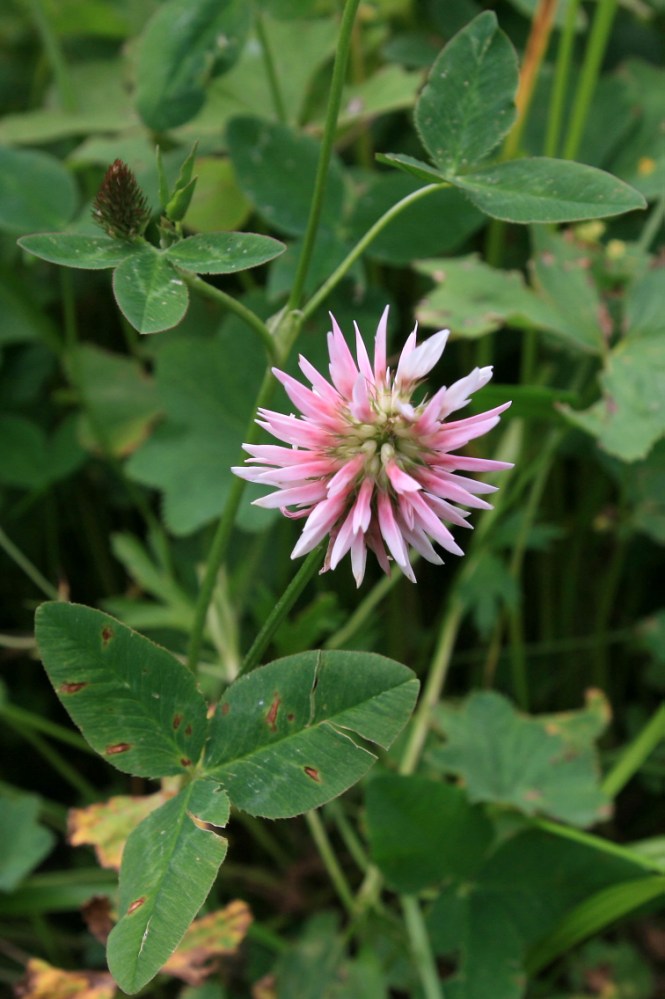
<point>216,935</point>
<point>43,981</point>
<point>107,825</point>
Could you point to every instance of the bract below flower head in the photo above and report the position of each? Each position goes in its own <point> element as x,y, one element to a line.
<point>367,465</point>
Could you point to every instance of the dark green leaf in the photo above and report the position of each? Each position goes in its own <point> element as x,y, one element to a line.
<point>422,831</point>
<point>547,190</point>
<point>292,735</point>
<point>94,253</point>
<point>468,104</point>
<point>168,867</point>
<point>537,765</point>
<point>149,291</point>
<point>275,167</point>
<point>36,191</point>
<point>135,704</point>
<point>185,44</point>
<point>224,252</point>
<point>23,842</point>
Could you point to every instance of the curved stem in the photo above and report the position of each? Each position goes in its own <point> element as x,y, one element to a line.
<point>233,305</point>
<point>24,563</point>
<point>281,609</point>
<point>635,754</point>
<point>319,296</point>
<point>327,854</point>
<point>432,692</point>
<point>271,71</point>
<point>421,950</point>
<point>329,131</point>
<point>561,78</point>
<point>590,69</point>
<point>221,539</point>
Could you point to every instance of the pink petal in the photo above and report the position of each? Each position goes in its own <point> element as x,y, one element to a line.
<point>363,357</point>
<point>319,383</point>
<point>420,361</point>
<point>344,540</point>
<point>400,480</point>
<point>318,524</point>
<point>457,394</point>
<point>358,558</point>
<point>343,370</point>
<point>362,509</point>
<point>310,492</point>
<point>380,347</point>
<point>393,536</point>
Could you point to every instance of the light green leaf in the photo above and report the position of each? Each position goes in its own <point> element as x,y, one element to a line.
<point>23,842</point>
<point>168,867</point>
<point>630,418</point>
<point>36,191</point>
<point>149,291</point>
<point>472,298</point>
<point>560,274</point>
<point>468,104</point>
<point>414,167</point>
<point>537,765</point>
<point>422,831</point>
<point>294,734</point>
<point>184,45</point>
<point>276,167</point>
<point>547,190</point>
<point>207,382</point>
<point>218,202</point>
<point>135,704</point>
<point>223,252</point>
<point>121,401</point>
<point>94,253</point>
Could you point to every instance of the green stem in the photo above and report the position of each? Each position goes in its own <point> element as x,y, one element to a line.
<point>363,612</point>
<point>54,54</point>
<point>561,78</point>
<point>320,296</point>
<point>652,225</point>
<point>22,719</point>
<point>421,950</point>
<point>597,843</point>
<point>589,76</point>
<point>221,539</point>
<point>271,71</point>
<point>24,563</point>
<point>348,834</point>
<point>329,131</point>
<point>281,609</point>
<point>234,305</point>
<point>635,754</point>
<point>432,692</point>
<point>55,760</point>
<point>327,854</point>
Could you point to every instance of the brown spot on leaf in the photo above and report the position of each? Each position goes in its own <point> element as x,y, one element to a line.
<point>188,730</point>
<point>71,688</point>
<point>107,635</point>
<point>225,708</point>
<point>313,773</point>
<point>271,717</point>
<point>290,717</point>
<point>136,904</point>
<point>185,762</point>
<point>176,722</point>
<point>119,747</point>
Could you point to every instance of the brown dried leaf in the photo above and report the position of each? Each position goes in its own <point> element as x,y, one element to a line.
<point>98,917</point>
<point>216,935</point>
<point>107,825</point>
<point>265,988</point>
<point>43,981</point>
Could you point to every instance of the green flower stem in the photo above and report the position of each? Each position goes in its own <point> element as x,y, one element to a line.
<point>54,54</point>
<point>597,843</point>
<point>320,296</point>
<point>234,305</point>
<point>23,719</point>
<point>348,834</point>
<point>55,760</point>
<point>221,539</point>
<point>281,609</point>
<point>436,678</point>
<point>652,225</point>
<point>24,563</point>
<point>271,71</point>
<point>329,131</point>
<point>636,753</point>
<point>420,948</point>
<point>593,58</point>
<point>327,854</point>
<point>561,77</point>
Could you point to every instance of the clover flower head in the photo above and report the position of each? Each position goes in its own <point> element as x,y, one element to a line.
<point>365,463</point>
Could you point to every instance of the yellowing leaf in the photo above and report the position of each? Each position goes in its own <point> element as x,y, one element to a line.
<point>213,936</point>
<point>107,825</point>
<point>43,981</point>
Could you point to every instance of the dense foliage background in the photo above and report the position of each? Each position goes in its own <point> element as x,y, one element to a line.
<point>115,449</point>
